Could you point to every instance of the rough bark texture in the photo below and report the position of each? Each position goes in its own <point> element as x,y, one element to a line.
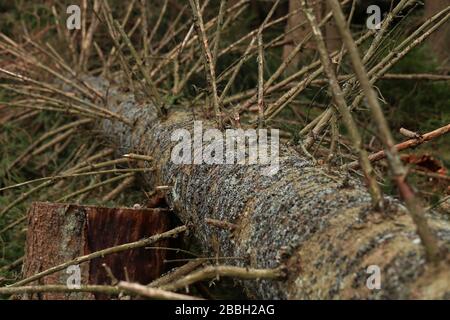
<point>319,224</point>
<point>61,232</point>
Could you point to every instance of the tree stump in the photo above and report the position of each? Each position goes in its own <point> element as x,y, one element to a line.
<point>61,232</point>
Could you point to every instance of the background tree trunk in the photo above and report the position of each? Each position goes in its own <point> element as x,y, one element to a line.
<point>439,40</point>
<point>330,32</point>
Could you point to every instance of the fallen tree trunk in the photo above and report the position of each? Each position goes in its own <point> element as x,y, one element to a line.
<point>320,225</point>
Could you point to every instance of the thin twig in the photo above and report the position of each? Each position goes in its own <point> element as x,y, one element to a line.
<point>221,224</point>
<point>207,58</point>
<point>59,288</point>
<point>222,7</point>
<point>210,272</point>
<point>153,293</point>
<point>150,88</point>
<point>411,143</point>
<point>177,273</point>
<point>102,253</point>
<point>260,81</point>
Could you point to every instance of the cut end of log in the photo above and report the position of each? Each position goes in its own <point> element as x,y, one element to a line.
<point>61,232</point>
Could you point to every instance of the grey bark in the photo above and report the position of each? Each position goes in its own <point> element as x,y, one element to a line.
<point>319,224</point>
